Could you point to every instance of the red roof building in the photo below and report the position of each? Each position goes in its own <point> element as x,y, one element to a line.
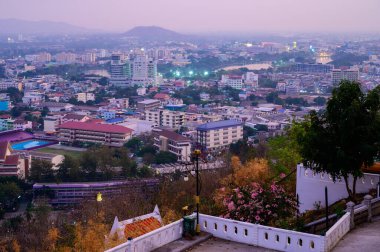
<point>111,135</point>
<point>13,164</point>
<point>162,96</point>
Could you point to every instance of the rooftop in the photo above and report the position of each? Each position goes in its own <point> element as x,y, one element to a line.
<point>172,135</point>
<point>140,227</point>
<point>148,101</point>
<point>219,125</point>
<point>106,128</point>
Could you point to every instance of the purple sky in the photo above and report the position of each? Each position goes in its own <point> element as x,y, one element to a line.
<point>204,15</point>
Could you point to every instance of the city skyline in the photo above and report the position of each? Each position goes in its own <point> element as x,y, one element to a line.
<point>197,16</point>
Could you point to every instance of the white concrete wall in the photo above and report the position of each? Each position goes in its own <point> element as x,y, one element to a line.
<point>311,187</point>
<point>262,236</point>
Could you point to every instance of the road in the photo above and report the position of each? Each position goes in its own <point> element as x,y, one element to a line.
<point>364,237</point>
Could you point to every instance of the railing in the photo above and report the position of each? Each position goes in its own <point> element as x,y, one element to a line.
<point>337,231</point>
<point>258,235</point>
<point>152,240</point>
<point>254,234</point>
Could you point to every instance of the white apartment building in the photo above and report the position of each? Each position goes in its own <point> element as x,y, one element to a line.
<point>32,98</point>
<point>166,140</point>
<point>233,81</point>
<point>351,74</point>
<point>144,70</point>
<point>168,118</point>
<point>121,103</point>
<point>5,84</point>
<point>251,80</point>
<point>215,135</point>
<point>85,97</point>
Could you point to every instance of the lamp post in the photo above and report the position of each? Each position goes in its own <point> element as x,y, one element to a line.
<point>197,153</point>
<point>98,200</point>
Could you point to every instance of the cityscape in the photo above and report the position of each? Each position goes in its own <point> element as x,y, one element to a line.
<point>189,125</point>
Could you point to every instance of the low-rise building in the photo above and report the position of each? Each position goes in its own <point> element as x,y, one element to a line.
<point>148,104</point>
<point>85,97</point>
<point>121,103</point>
<point>13,164</point>
<point>166,140</point>
<point>168,118</point>
<point>111,135</point>
<point>214,135</point>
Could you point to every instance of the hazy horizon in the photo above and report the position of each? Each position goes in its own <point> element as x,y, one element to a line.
<point>196,16</point>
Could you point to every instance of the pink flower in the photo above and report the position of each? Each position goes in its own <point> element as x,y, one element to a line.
<point>231,206</point>
<point>282,175</point>
<point>257,218</point>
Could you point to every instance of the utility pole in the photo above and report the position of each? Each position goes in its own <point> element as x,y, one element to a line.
<point>197,153</point>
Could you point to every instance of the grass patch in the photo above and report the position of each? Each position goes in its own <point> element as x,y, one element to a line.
<point>73,154</point>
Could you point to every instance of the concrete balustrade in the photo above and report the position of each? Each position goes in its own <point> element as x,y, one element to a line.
<point>152,240</point>
<point>259,235</point>
<point>337,231</point>
<point>262,236</point>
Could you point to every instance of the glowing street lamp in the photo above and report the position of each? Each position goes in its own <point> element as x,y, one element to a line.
<point>191,72</point>
<point>99,197</point>
<point>98,200</point>
<point>205,73</point>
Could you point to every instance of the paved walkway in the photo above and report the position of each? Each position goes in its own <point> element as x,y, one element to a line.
<point>365,237</point>
<point>219,245</point>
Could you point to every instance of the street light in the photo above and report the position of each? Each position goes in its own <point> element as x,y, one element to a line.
<point>98,200</point>
<point>197,153</point>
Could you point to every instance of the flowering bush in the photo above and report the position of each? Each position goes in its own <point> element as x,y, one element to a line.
<point>256,203</point>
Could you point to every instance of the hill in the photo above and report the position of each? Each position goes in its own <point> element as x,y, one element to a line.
<point>154,33</point>
<point>15,26</point>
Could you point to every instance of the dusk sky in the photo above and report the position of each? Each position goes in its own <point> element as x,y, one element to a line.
<point>204,15</point>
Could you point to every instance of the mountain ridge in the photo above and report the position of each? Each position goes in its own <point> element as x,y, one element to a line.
<point>14,26</point>
<point>154,33</point>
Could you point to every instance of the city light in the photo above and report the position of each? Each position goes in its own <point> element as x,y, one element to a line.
<point>177,73</point>
<point>205,73</point>
<point>191,72</point>
<point>248,44</point>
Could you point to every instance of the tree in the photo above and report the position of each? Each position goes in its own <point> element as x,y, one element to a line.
<point>242,150</point>
<point>9,193</point>
<point>134,144</point>
<point>147,149</point>
<point>273,98</point>
<point>345,137</point>
<point>103,81</point>
<point>69,169</point>
<point>320,101</point>
<point>260,203</point>
<point>88,164</point>
<point>45,111</point>
<point>165,157</point>
<point>41,171</point>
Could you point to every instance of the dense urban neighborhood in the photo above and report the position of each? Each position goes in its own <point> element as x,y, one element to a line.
<point>151,139</point>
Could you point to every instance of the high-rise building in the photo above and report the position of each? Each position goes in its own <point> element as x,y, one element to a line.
<point>351,74</point>
<point>120,71</point>
<point>144,70</point>
<point>137,70</point>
